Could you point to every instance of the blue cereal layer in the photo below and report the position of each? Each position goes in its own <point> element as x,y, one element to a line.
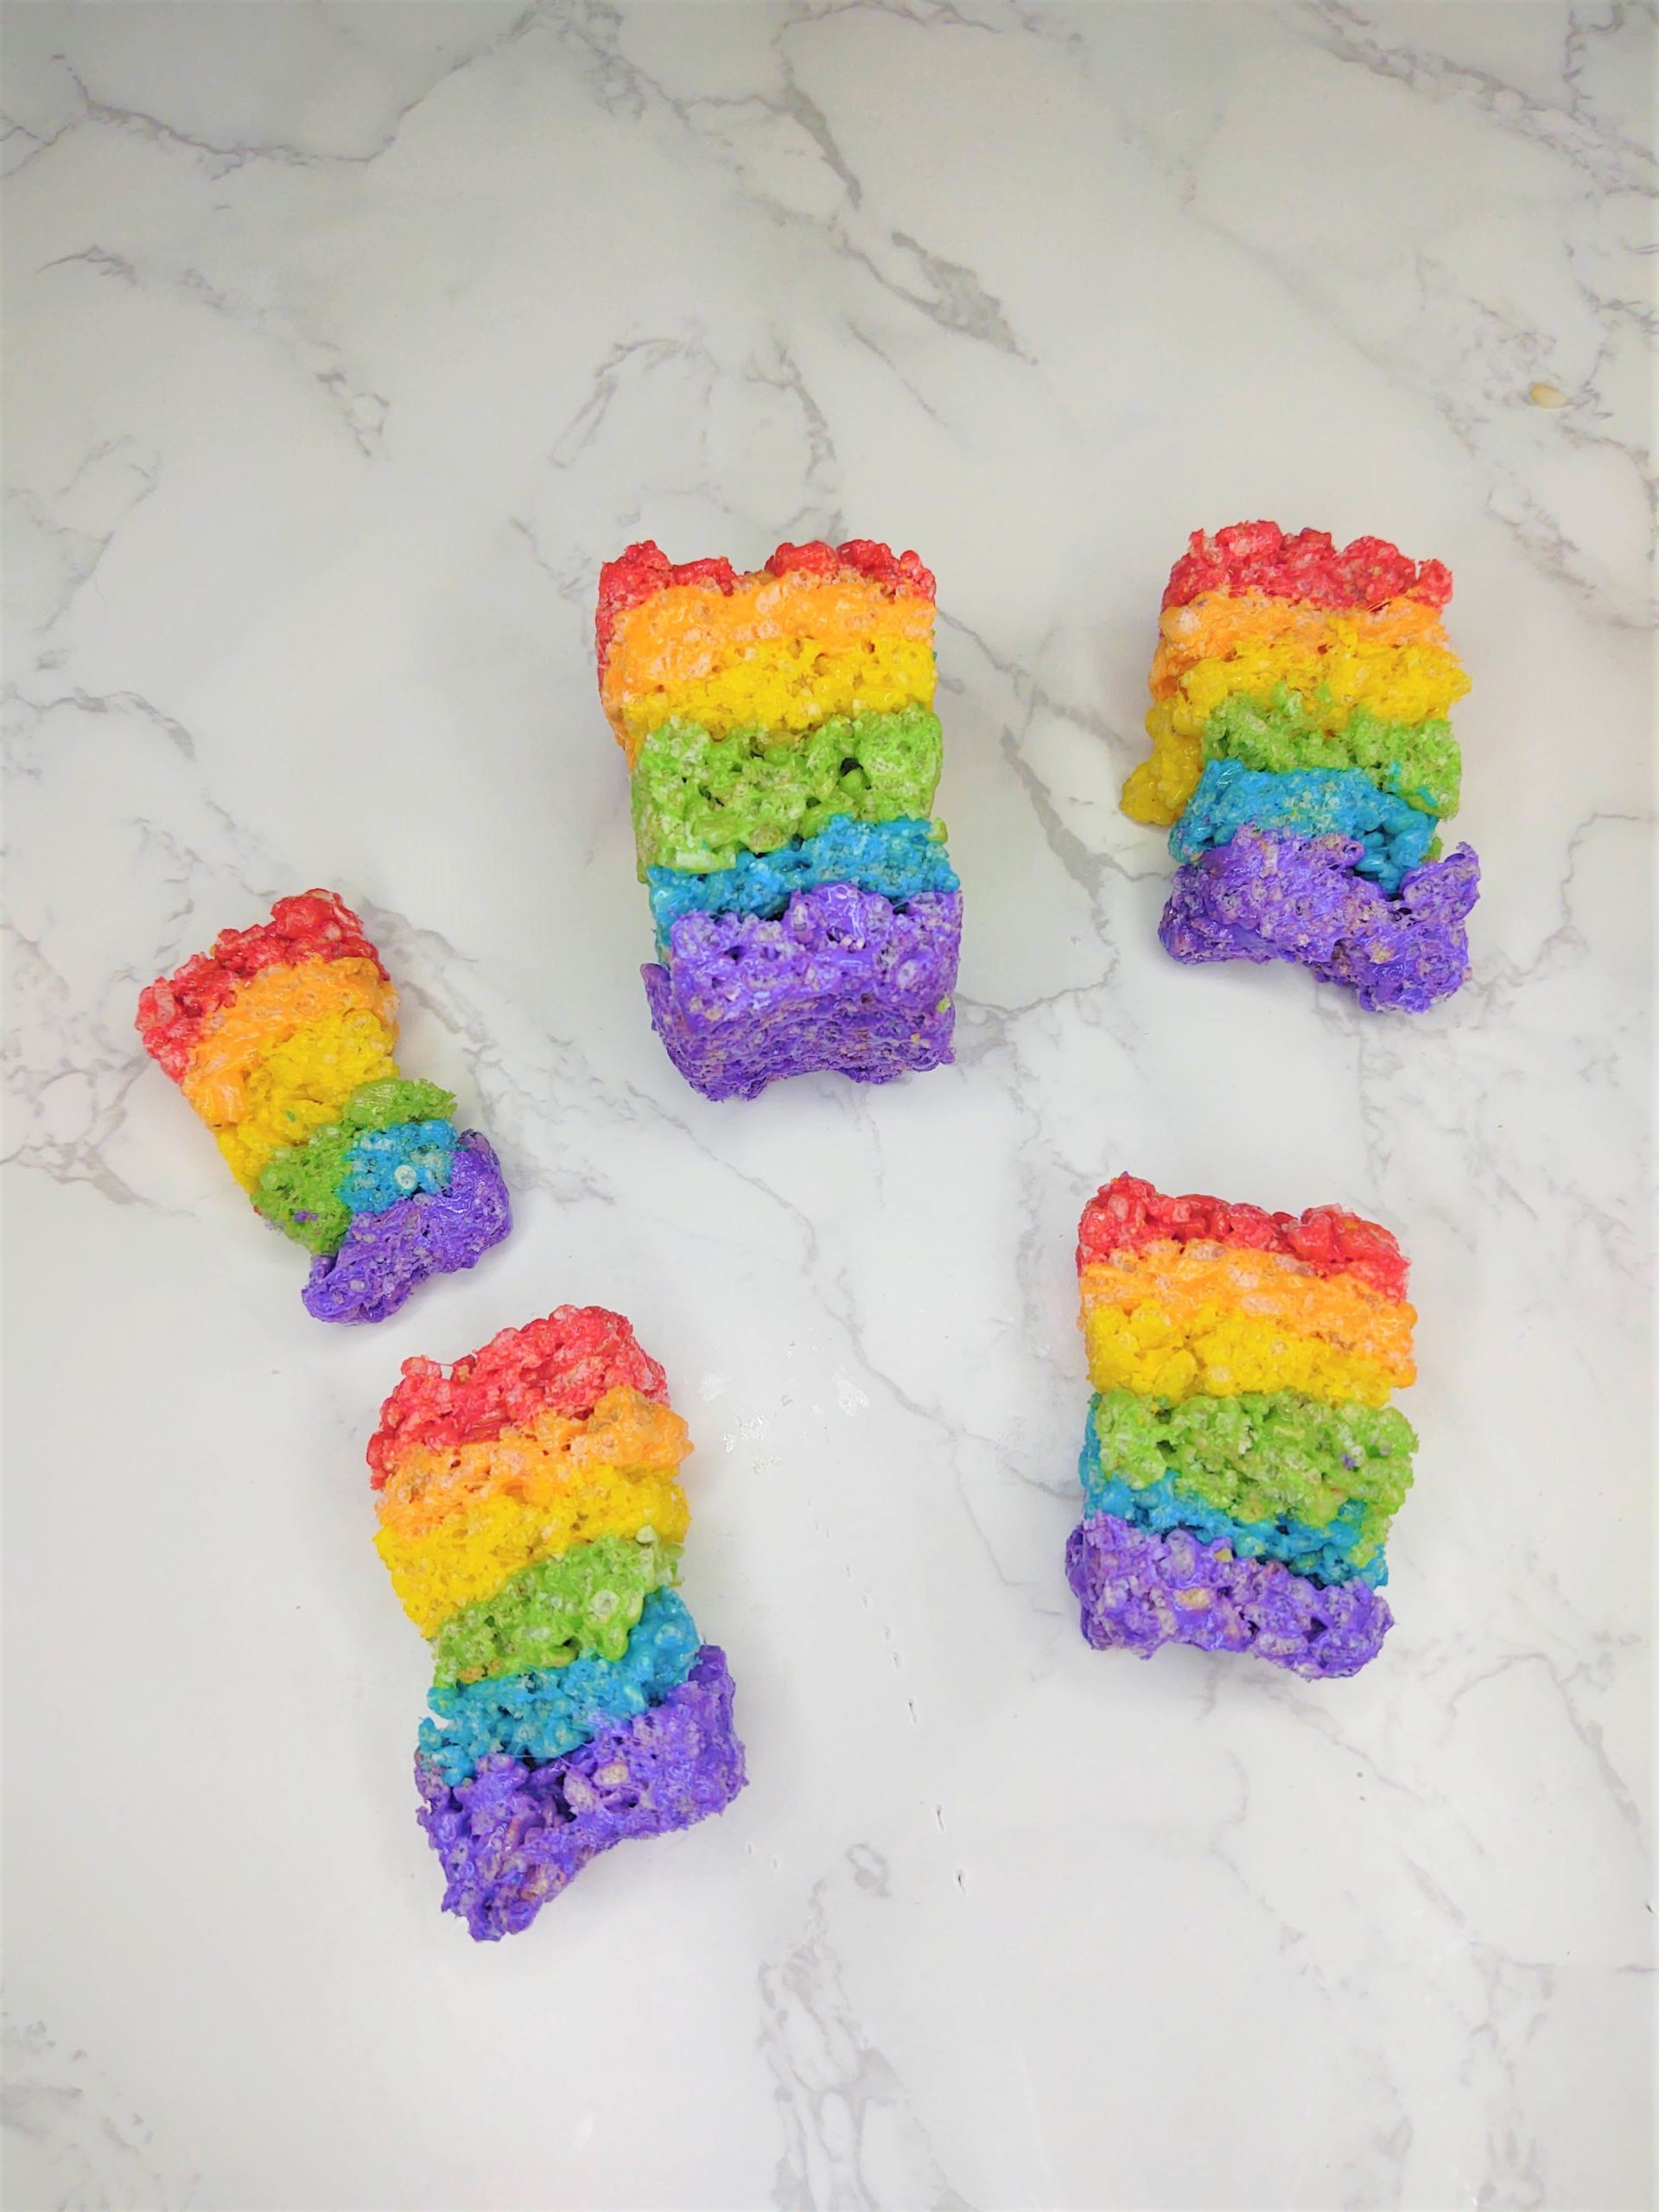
<point>1393,837</point>
<point>898,860</point>
<point>541,1715</point>
<point>386,1165</point>
<point>1323,1555</point>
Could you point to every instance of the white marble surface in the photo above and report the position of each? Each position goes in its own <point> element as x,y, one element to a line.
<point>345,342</point>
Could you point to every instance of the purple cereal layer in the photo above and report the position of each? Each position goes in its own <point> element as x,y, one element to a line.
<point>842,981</point>
<point>1139,1591</point>
<point>1275,898</point>
<point>514,1836</point>
<point>385,1254</point>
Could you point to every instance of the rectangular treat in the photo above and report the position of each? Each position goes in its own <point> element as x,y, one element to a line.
<point>784,758</point>
<point>1303,760</point>
<point>1242,1466</point>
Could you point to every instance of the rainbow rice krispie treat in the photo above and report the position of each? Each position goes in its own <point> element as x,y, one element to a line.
<point>780,735</point>
<point>1302,756</point>
<point>283,1038</point>
<point>532,1517</point>
<point>1241,1464</point>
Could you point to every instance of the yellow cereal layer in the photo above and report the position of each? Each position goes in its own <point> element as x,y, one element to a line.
<point>786,688</point>
<point>303,1082</point>
<point>266,1008</point>
<point>1399,683</point>
<point>1158,787</point>
<point>1152,1352</point>
<point>541,1461</point>
<point>471,1553</point>
<point>1217,623</point>
<point>1200,1285</point>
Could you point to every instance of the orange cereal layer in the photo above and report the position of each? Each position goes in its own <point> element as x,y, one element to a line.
<point>264,1011</point>
<point>543,1460</point>
<point>694,651</point>
<point>1218,625</point>
<point>303,1082</point>
<point>1197,1285</point>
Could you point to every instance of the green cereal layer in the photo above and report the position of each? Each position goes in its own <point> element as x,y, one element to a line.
<point>699,800</point>
<point>1263,1456</point>
<point>586,1599</point>
<point>1418,762</point>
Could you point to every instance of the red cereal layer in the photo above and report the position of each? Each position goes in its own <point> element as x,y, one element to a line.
<point>644,569</point>
<point>175,1009</point>
<point>563,1364</point>
<point>1260,557</point>
<point>1127,1214</point>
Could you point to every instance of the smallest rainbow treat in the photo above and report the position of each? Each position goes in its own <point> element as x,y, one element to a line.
<point>1242,1466</point>
<point>283,1038</point>
<point>1303,761</point>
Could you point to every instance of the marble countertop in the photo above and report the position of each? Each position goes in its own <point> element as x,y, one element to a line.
<point>345,342</point>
